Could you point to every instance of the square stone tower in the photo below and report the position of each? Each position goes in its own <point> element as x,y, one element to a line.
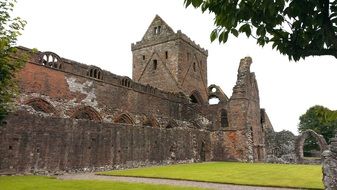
<point>170,61</point>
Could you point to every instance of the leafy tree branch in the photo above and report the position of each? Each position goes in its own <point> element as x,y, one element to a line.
<point>10,29</point>
<point>295,28</point>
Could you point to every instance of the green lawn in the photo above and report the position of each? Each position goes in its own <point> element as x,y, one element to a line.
<point>48,183</point>
<point>260,174</point>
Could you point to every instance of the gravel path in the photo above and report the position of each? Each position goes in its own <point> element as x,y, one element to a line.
<point>92,176</point>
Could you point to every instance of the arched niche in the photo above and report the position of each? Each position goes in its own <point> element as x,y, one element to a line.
<point>87,113</point>
<point>124,118</point>
<point>41,105</point>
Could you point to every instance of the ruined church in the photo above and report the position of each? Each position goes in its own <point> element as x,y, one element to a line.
<point>76,117</point>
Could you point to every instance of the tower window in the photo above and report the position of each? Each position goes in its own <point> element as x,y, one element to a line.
<point>156,30</point>
<point>143,57</point>
<point>155,64</point>
<point>166,54</point>
<point>194,67</point>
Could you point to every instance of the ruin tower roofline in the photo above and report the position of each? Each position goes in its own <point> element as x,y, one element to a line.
<point>168,34</point>
<point>79,69</point>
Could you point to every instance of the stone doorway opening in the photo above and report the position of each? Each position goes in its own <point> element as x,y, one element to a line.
<point>309,147</point>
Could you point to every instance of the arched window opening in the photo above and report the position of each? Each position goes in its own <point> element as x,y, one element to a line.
<point>193,99</point>
<point>126,82</point>
<point>194,67</point>
<point>215,91</point>
<point>87,113</point>
<point>224,119</point>
<point>196,98</point>
<point>95,72</point>
<point>50,59</point>
<point>157,30</point>
<point>155,63</point>
<point>213,101</point>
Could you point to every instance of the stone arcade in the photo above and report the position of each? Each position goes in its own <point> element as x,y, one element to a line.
<point>74,117</point>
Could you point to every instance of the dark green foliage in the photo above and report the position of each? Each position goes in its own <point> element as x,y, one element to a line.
<point>9,31</point>
<point>297,28</point>
<point>321,120</point>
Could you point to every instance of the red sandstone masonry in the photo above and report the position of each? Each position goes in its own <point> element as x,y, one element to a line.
<point>78,117</point>
<point>31,144</point>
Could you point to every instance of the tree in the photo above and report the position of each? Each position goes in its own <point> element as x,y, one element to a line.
<point>297,28</point>
<point>10,29</point>
<point>320,119</point>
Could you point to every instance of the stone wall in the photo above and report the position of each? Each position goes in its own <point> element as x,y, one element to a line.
<point>68,93</point>
<point>78,117</point>
<point>330,165</point>
<point>31,143</point>
<point>280,147</point>
<point>246,97</point>
<point>285,147</point>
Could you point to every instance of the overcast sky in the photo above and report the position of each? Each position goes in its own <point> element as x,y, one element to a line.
<point>100,33</point>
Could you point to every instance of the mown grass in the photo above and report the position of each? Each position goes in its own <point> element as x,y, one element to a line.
<point>257,174</point>
<point>48,183</point>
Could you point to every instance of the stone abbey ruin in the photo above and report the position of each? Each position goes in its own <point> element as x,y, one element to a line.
<point>76,117</point>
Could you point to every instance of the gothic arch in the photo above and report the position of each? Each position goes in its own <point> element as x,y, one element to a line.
<point>39,104</point>
<point>95,72</point>
<point>126,81</point>
<point>87,112</point>
<point>215,91</point>
<point>124,118</point>
<point>50,59</point>
<point>196,98</point>
<point>300,143</point>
